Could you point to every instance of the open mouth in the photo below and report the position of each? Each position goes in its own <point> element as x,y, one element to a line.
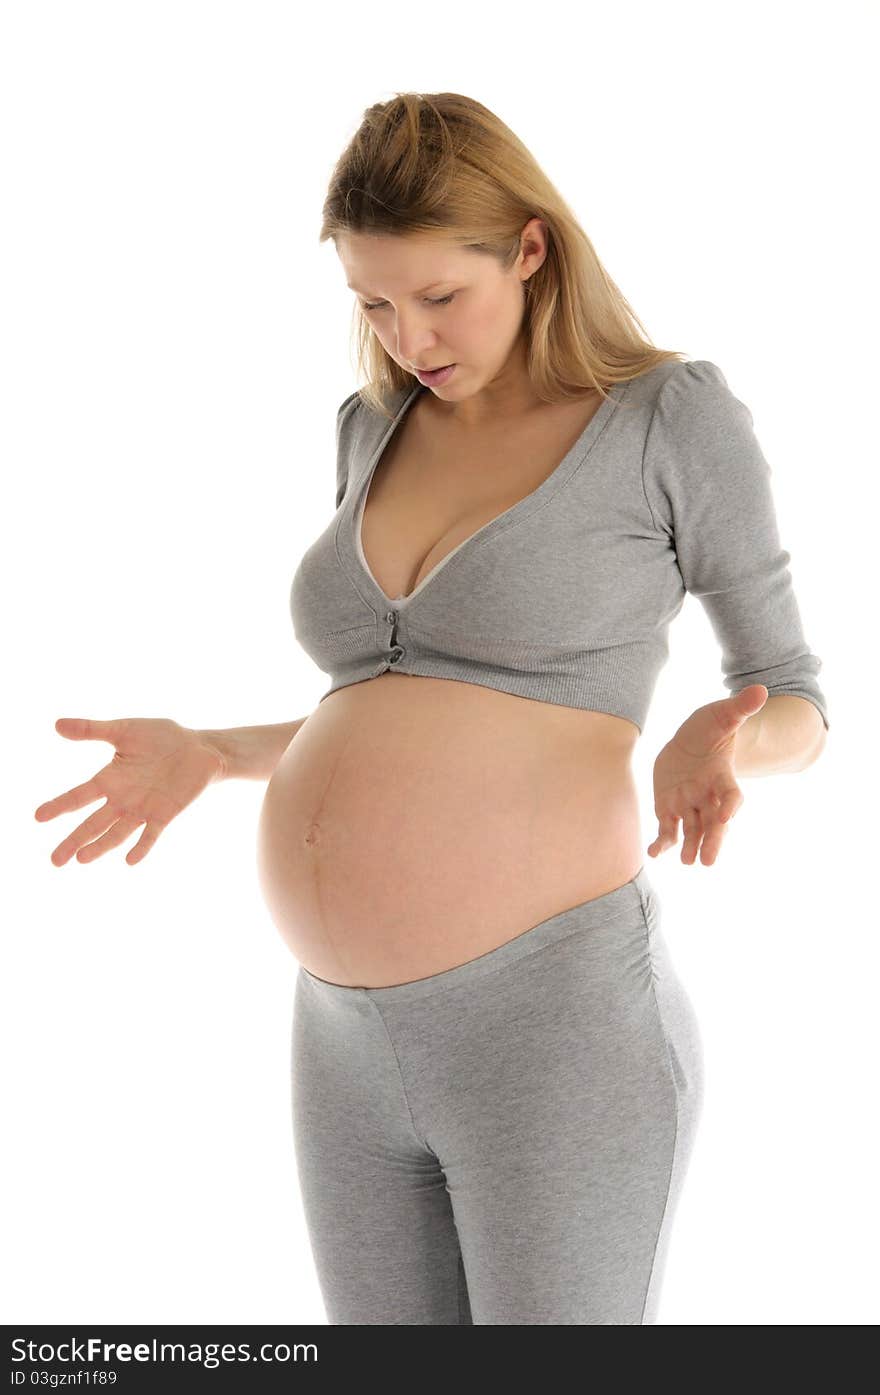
<point>435,374</point>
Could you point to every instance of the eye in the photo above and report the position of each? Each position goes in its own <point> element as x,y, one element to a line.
<point>444,300</point>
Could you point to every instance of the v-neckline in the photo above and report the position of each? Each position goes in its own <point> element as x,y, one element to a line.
<point>566,466</point>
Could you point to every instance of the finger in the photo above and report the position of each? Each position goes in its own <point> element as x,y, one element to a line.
<point>730,800</point>
<point>715,826</point>
<point>87,729</point>
<point>712,844</point>
<point>668,835</point>
<point>91,828</point>
<point>716,821</point>
<point>144,843</point>
<point>693,831</point>
<point>111,839</point>
<point>75,798</point>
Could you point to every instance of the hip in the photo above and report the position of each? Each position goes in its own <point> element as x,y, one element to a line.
<point>585,1006</point>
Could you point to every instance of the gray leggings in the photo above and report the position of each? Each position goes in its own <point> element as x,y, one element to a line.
<point>506,1141</point>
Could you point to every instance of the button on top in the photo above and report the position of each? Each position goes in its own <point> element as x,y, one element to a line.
<point>391,617</point>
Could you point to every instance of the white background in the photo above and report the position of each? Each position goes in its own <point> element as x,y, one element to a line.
<point>175,344</point>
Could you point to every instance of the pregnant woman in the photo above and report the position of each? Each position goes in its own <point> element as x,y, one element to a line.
<point>496,1072</point>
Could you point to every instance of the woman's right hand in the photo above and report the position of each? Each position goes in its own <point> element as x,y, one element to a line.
<point>159,768</point>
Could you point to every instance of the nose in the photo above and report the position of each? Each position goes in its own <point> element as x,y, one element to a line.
<point>415,343</point>
<point>416,352</point>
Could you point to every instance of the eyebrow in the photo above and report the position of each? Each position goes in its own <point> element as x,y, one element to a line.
<point>421,292</point>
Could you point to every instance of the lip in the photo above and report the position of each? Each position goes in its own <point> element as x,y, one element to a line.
<point>429,376</point>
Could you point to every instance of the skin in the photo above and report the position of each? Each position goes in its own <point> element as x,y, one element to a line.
<point>160,767</point>
<point>157,769</point>
<point>480,331</point>
<point>695,784</point>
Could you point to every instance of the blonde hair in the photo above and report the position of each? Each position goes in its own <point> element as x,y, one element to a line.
<point>444,165</point>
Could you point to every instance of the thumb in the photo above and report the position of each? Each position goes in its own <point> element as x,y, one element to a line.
<point>750,700</point>
<point>86,729</point>
<point>725,716</point>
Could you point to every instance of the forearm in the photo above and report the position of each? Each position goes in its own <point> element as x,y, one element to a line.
<point>251,753</point>
<point>787,735</point>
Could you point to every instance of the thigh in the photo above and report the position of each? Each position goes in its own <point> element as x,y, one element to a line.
<point>564,1120</point>
<point>377,1208</point>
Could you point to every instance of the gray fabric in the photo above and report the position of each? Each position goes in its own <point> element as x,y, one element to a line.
<point>504,1142</point>
<point>567,596</point>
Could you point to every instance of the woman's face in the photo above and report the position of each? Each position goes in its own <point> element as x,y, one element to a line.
<point>431,303</point>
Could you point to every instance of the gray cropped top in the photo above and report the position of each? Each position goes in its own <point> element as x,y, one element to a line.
<point>567,596</point>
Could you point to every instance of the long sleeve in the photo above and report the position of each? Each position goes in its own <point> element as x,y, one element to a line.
<point>708,486</point>
<point>343,443</point>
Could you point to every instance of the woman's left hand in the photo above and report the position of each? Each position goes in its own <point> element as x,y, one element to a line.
<point>694,776</point>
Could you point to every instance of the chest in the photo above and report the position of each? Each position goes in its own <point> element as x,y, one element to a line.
<point>436,485</point>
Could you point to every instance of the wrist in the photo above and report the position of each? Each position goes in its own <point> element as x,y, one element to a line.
<point>250,753</point>
<point>216,742</point>
<point>747,742</point>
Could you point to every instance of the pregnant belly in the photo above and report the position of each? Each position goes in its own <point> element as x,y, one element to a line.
<point>415,823</point>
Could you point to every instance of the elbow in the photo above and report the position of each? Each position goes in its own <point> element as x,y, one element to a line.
<point>816,741</point>
<point>801,729</point>
<point>821,742</point>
